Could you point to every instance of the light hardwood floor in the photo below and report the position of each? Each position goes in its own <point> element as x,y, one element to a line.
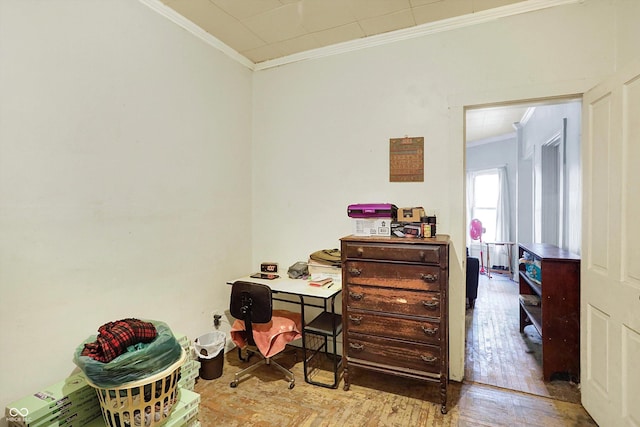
<point>498,354</point>
<point>378,400</point>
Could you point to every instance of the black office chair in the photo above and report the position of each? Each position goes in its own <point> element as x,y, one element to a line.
<point>251,305</point>
<point>473,273</point>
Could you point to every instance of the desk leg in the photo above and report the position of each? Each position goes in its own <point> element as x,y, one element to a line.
<point>304,337</point>
<point>488,262</point>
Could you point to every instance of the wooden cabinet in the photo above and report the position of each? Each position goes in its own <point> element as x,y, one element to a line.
<point>557,317</point>
<point>394,308</point>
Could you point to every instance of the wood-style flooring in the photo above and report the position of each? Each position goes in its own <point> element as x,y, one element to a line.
<point>264,399</point>
<point>498,354</point>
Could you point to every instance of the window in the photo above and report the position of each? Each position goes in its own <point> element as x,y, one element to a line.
<point>486,191</point>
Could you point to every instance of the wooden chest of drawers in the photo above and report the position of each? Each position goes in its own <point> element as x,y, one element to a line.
<point>394,308</point>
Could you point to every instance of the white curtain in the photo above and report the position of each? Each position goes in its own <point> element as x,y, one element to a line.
<point>503,218</point>
<point>499,254</point>
<point>471,175</point>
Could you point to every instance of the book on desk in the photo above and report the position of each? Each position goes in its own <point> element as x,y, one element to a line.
<point>326,281</point>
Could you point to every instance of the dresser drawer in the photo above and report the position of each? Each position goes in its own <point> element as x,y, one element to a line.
<point>399,354</point>
<point>406,276</point>
<point>426,254</point>
<point>392,300</point>
<point>420,330</point>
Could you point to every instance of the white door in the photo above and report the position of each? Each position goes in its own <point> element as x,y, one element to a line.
<point>610,266</point>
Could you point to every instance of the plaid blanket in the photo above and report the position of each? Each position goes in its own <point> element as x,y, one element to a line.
<point>114,338</point>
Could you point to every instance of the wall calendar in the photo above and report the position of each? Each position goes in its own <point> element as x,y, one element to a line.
<point>406,159</point>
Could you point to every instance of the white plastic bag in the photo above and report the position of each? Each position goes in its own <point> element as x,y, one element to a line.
<point>209,345</point>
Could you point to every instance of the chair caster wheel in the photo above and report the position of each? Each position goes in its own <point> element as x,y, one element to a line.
<point>233,384</point>
<point>292,385</point>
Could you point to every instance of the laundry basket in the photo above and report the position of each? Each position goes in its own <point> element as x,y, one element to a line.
<point>143,403</point>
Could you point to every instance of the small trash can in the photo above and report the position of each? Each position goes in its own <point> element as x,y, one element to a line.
<point>210,349</point>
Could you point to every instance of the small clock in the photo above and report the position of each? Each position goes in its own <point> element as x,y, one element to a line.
<point>269,267</point>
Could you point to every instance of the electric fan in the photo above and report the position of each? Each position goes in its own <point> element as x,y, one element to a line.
<point>475,231</point>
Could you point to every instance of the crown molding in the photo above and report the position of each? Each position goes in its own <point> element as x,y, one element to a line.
<point>183,22</point>
<point>527,115</point>
<point>362,43</point>
<point>417,31</point>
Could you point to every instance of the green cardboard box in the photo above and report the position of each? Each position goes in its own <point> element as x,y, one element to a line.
<point>73,389</point>
<point>69,409</point>
<point>187,401</point>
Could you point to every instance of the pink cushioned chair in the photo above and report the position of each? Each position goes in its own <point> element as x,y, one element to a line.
<point>260,329</point>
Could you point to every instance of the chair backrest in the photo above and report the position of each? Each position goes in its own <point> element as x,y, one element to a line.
<point>252,303</point>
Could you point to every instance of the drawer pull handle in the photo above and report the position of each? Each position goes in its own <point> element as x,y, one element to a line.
<point>360,251</point>
<point>356,346</point>
<point>355,296</point>
<point>429,331</point>
<point>355,320</point>
<point>430,305</point>
<point>355,272</point>
<point>428,359</point>
<point>429,278</point>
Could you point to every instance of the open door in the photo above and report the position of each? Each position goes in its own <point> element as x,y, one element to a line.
<point>610,267</point>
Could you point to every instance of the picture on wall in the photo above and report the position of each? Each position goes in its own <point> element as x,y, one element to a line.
<point>406,159</point>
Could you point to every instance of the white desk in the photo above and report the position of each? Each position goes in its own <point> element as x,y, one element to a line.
<point>327,324</point>
<point>298,287</point>
<point>509,270</point>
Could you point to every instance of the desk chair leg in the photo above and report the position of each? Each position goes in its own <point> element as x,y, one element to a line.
<point>285,371</point>
<point>264,361</point>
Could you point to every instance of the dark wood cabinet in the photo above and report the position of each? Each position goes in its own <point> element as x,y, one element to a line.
<point>557,317</point>
<point>394,308</point>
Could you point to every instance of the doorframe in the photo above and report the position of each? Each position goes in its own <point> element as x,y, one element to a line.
<point>553,149</point>
<point>456,105</point>
<point>531,102</point>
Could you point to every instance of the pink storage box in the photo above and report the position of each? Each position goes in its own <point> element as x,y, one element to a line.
<point>372,210</point>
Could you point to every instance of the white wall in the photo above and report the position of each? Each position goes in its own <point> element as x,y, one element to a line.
<point>545,122</point>
<point>125,179</point>
<point>322,127</point>
<point>125,156</point>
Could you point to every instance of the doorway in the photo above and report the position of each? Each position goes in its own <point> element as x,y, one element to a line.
<point>537,145</point>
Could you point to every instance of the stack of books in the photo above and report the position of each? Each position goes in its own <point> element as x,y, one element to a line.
<point>319,271</point>
<point>326,281</point>
<point>69,402</point>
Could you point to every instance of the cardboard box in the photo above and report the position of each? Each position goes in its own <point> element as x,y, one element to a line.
<point>187,385</point>
<point>70,392</point>
<point>371,227</point>
<point>183,340</point>
<point>83,416</point>
<point>182,418</point>
<point>414,214</point>
<point>187,406</point>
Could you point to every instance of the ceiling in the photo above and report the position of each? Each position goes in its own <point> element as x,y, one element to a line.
<point>486,124</point>
<point>268,31</point>
<point>263,30</point>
